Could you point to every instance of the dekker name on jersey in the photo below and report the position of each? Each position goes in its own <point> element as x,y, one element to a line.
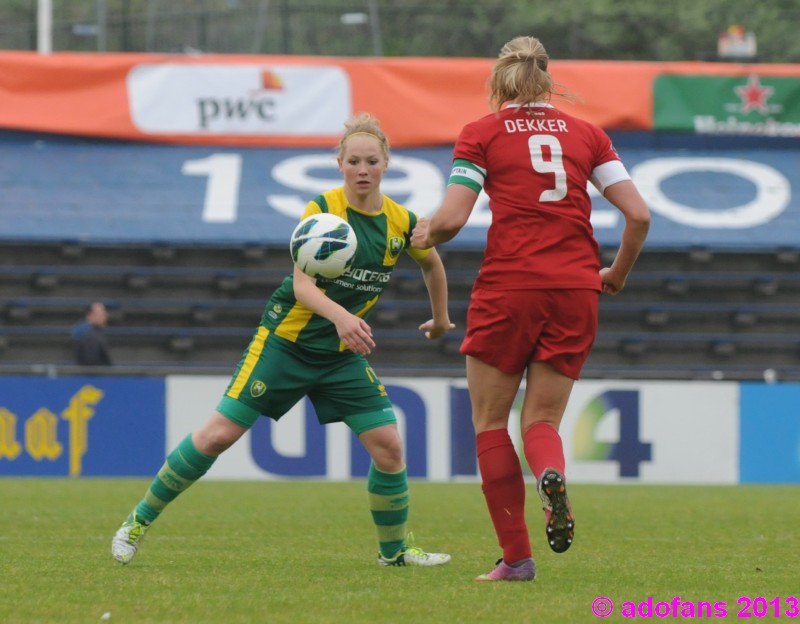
<point>535,125</point>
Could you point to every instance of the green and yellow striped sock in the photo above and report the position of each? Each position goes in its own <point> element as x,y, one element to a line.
<point>184,465</point>
<point>388,503</point>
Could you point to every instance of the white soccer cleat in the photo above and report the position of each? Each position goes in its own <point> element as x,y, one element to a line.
<point>414,556</point>
<point>127,539</point>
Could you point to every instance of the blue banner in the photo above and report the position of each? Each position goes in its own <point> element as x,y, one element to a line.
<point>719,194</point>
<point>81,426</point>
<point>770,433</point>
<point>108,427</point>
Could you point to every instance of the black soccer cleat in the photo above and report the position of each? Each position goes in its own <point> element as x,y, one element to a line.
<point>560,526</point>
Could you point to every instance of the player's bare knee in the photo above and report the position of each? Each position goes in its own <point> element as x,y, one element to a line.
<point>215,437</point>
<point>388,458</point>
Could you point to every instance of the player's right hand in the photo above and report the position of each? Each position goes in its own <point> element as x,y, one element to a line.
<point>419,235</point>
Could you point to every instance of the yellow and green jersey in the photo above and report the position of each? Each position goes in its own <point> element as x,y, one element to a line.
<point>382,237</point>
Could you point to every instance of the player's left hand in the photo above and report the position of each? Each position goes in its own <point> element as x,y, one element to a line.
<point>434,331</point>
<point>611,284</point>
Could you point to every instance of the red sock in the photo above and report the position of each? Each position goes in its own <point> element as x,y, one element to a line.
<point>504,490</point>
<point>543,448</point>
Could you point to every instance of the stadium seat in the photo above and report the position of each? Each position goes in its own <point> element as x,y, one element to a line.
<point>765,285</point>
<point>45,280</point>
<point>723,347</point>
<point>790,257</point>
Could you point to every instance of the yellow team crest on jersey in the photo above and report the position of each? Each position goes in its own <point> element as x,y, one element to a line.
<point>396,245</point>
<point>257,388</point>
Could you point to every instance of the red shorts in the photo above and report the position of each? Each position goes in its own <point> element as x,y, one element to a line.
<point>509,329</point>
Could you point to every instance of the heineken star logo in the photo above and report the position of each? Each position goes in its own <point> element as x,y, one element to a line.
<point>754,96</point>
<point>747,104</point>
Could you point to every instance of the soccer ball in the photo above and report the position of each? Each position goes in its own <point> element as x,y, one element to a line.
<point>323,245</point>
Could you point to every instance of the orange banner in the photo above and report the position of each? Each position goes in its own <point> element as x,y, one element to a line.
<point>244,100</point>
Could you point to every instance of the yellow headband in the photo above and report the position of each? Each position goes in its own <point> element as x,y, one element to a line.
<point>372,134</point>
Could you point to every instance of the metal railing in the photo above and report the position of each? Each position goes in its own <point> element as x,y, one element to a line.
<point>580,29</point>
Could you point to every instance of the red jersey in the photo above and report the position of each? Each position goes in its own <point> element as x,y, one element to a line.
<point>537,161</point>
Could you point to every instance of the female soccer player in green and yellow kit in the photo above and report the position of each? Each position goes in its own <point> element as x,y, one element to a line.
<point>312,341</point>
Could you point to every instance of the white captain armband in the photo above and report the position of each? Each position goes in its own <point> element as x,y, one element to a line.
<point>607,174</point>
<point>467,174</point>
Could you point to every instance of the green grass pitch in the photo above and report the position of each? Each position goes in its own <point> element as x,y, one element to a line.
<point>303,551</point>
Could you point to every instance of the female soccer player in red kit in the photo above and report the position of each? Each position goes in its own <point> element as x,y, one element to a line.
<point>534,306</point>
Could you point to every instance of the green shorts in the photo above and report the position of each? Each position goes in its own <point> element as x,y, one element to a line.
<point>274,374</point>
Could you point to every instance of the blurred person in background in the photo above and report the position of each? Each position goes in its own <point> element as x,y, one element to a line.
<point>89,336</point>
<point>533,310</point>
